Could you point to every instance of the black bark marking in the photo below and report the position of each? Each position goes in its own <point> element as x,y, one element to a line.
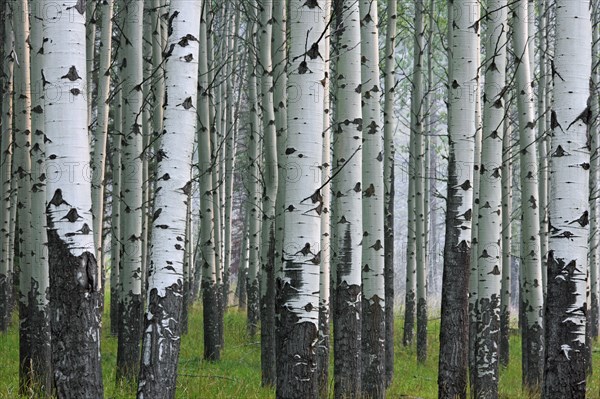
<point>72,216</point>
<point>131,312</point>
<point>72,75</point>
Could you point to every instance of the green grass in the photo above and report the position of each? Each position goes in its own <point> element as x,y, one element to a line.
<point>237,375</point>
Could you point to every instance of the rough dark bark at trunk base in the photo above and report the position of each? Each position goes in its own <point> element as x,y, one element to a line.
<point>389,285</point>
<point>504,336</point>
<point>409,318</point>
<point>114,311</point>
<point>422,330</point>
<point>5,301</point>
<point>486,370</point>
<point>267,318</point>
<point>297,359</point>
<point>533,356</point>
<point>564,373</point>
<point>373,349</point>
<point>130,334</point>
<point>347,341</point>
<point>162,338</point>
<point>323,352</point>
<point>75,321</point>
<point>38,365</point>
<point>473,314</point>
<point>454,325</point>
<point>212,341</point>
<point>253,306</point>
<point>221,315</point>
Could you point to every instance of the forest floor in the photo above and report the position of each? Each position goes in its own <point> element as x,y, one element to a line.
<point>237,375</point>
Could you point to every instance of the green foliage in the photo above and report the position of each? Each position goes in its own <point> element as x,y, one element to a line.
<point>237,375</point>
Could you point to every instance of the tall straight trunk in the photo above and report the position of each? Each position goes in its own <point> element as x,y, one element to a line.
<point>75,278</point>
<point>531,284</point>
<point>569,204</point>
<point>212,346</point>
<point>417,130</point>
<point>389,127</point>
<point>161,337</point>
<point>463,55</point>
<point>411,246</point>
<point>26,254</point>
<point>254,200</point>
<point>347,187</point>
<point>90,42</point>
<point>6,232</point>
<point>506,239</point>
<point>230,146</point>
<point>489,249</point>
<point>130,298</point>
<point>594,249</point>
<point>279,53</point>
<point>298,283</point>
<point>270,178</point>
<point>373,206</point>
<point>324,343</point>
<point>39,307</point>
<point>101,132</point>
<point>543,108</point>
<point>243,269</point>
<point>115,221</point>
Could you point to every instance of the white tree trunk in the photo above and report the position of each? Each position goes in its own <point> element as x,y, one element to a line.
<point>531,287</point>
<point>298,283</point>
<point>569,204</point>
<point>373,209</point>
<point>161,337</point>
<point>489,249</point>
<point>347,226</point>
<point>75,278</point>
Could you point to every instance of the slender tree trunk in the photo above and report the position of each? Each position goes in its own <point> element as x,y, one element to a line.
<point>161,339</point>
<point>75,278</point>
<point>7,75</point>
<point>254,200</point>
<point>130,298</point>
<point>489,256</point>
<point>298,283</point>
<point>463,55</point>
<point>373,206</point>
<point>594,178</point>
<point>531,285</point>
<point>324,343</point>
<point>506,238</point>
<point>389,127</point>
<point>115,223</point>
<point>347,226</point>
<point>569,204</point>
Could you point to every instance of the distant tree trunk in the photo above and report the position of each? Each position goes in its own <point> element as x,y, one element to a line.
<point>254,200</point>
<point>161,340</point>
<point>270,177</point>
<point>373,209</point>
<point>347,231</point>
<point>594,178</point>
<point>6,233</point>
<point>506,238</point>
<point>130,298</point>
<point>298,283</point>
<point>417,129</point>
<point>243,269</point>
<point>115,222</point>
<point>389,127</point>
<point>569,204</point>
<point>75,278</point>
<point>324,343</point>
<point>212,346</point>
<point>463,55</point>
<point>531,285</point>
<point>489,256</point>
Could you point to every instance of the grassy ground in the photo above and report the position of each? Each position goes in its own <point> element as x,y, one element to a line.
<point>237,375</point>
